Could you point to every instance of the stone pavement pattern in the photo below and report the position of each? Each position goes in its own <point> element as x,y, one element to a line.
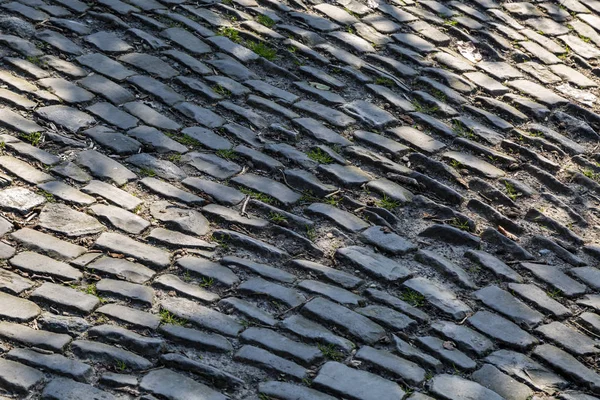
<point>265,199</point>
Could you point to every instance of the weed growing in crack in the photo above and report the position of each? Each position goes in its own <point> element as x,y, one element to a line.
<point>277,218</point>
<point>319,156</point>
<point>228,154</point>
<point>265,198</point>
<point>330,352</point>
<point>34,138</point>
<point>413,298</point>
<point>388,203</point>
<point>262,50</point>
<point>167,318</point>
<point>265,20</point>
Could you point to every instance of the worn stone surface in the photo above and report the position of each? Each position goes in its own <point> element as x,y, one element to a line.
<point>274,187</point>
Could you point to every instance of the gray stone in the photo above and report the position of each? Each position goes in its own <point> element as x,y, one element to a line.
<point>67,117</point>
<point>108,355</point>
<point>123,244</point>
<point>351,383</point>
<point>47,244</point>
<point>105,66</point>
<point>15,308</point>
<point>66,90</point>
<point>65,297</point>
<point>509,388</point>
<point>493,264</point>
<point>204,317</point>
<point>259,286</point>
<point>113,115</point>
<point>186,40</point>
<point>62,388</point>
<point>179,240</point>
<point>150,116</point>
<point>20,199</point>
<point>67,193</point>
<point>63,219</point>
<point>503,302</point>
<point>464,337</point>
<point>156,88</point>
<point>128,339</point>
<point>156,140</point>
<point>569,338</point>
<point>54,363</point>
<point>132,316</point>
<point>334,293</point>
<point>440,297</point>
<point>171,192</point>
<point>288,391</point>
<point>263,270</point>
<point>24,171</point>
<point>169,384</point>
<point>539,297</point>
<point>40,264</point>
<point>121,219</point>
<point>569,366</point>
<point>502,330</point>
<point>446,266</point>
<point>373,263</point>
<point>104,167</point>
<point>387,317</point>
<point>208,269</point>
<point>13,283</point>
<point>457,388</point>
<point>108,42</point>
<point>181,219</point>
<point>59,41</point>
<point>248,242</point>
<point>212,165</point>
<point>212,374</point>
<point>342,218</point>
<point>174,283</point>
<point>130,291</point>
<point>63,324</point>
<point>556,278</point>
<point>114,195</point>
<point>161,168</point>
<point>320,132</point>
<point>19,378</point>
<point>344,319</point>
<point>33,337</point>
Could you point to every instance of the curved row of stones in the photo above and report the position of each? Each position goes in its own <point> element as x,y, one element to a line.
<point>299,200</point>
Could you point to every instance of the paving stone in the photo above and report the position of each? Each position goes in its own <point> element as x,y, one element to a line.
<point>174,283</point>
<point>502,330</point>
<point>416,138</point>
<point>288,391</point>
<point>63,219</point>
<point>201,115</point>
<point>63,324</point>
<point>385,316</point>
<point>490,377</point>
<point>59,42</point>
<point>33,337</point>
<point>538,92</point>
<point>47,244</point>
<point>156,88</point>
<point>232,216</point>
<point>67,193</point>
<point>356,384</point>
<point>329,115</point>
<point>104,167</point>
<point>122,244</point>
<point>169,384</point>
<point>320,132</point>
<point>212,165</point>
<point>456,387</point>
<point>453,356</point>
<point>527,370</point>
<point>277,190</point>
<point>310,330</point>
<point>16,121</point>
<point>106,354</point>
<point>13,283</point>
<point>71,171</point>
<point>568,365</point>
<point>132,316</point>
<point>493,264</point>
<point>128,339</point>
<point>181,219</point>
<point>280,344</point>
<point>349,321</point>
<point>446,266</point>
<point>171,192</point>
<point>248,310</point>
<point>342,218</point>
<point>15,308</point>
<point>40,264</point>
<point>131,291</point>
<point>208,269</point>
<point>20,199</point>
<point>439,297</point>
<point>65,297</point>
<point>112,194</point>
<point>150,116</point>
<point>259,286</point>
<point>222,194</point>
<point>156,140</point>
<point>501,301</point>
<point>24,171</point>
<point>556,278</point>
<point>55,363</point>
<point>66,90</point>
<point>215,375</point>
<point>186,40</point>
<point>113,115</point>
<point>386,240</point>
<point>539,297</point>
<point>197,338</point>
<point>373,263</point>
<point>569,338</point>
<point>349,176</point>
<point>63,388</point>
<point>161,168</point>
<point>19,378</point>
<point>121,219</point>
<point>263,270</point>
<point>202,316</point>
<point>589,275</point>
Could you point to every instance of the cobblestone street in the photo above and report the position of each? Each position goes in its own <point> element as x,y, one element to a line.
<point>299,200</point>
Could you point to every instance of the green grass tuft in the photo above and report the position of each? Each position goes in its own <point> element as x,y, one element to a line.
<point>262,50</point>
<point>265,20</point>
<point>319,156</point>
<point>413,298</point>
<point>167,318</point>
